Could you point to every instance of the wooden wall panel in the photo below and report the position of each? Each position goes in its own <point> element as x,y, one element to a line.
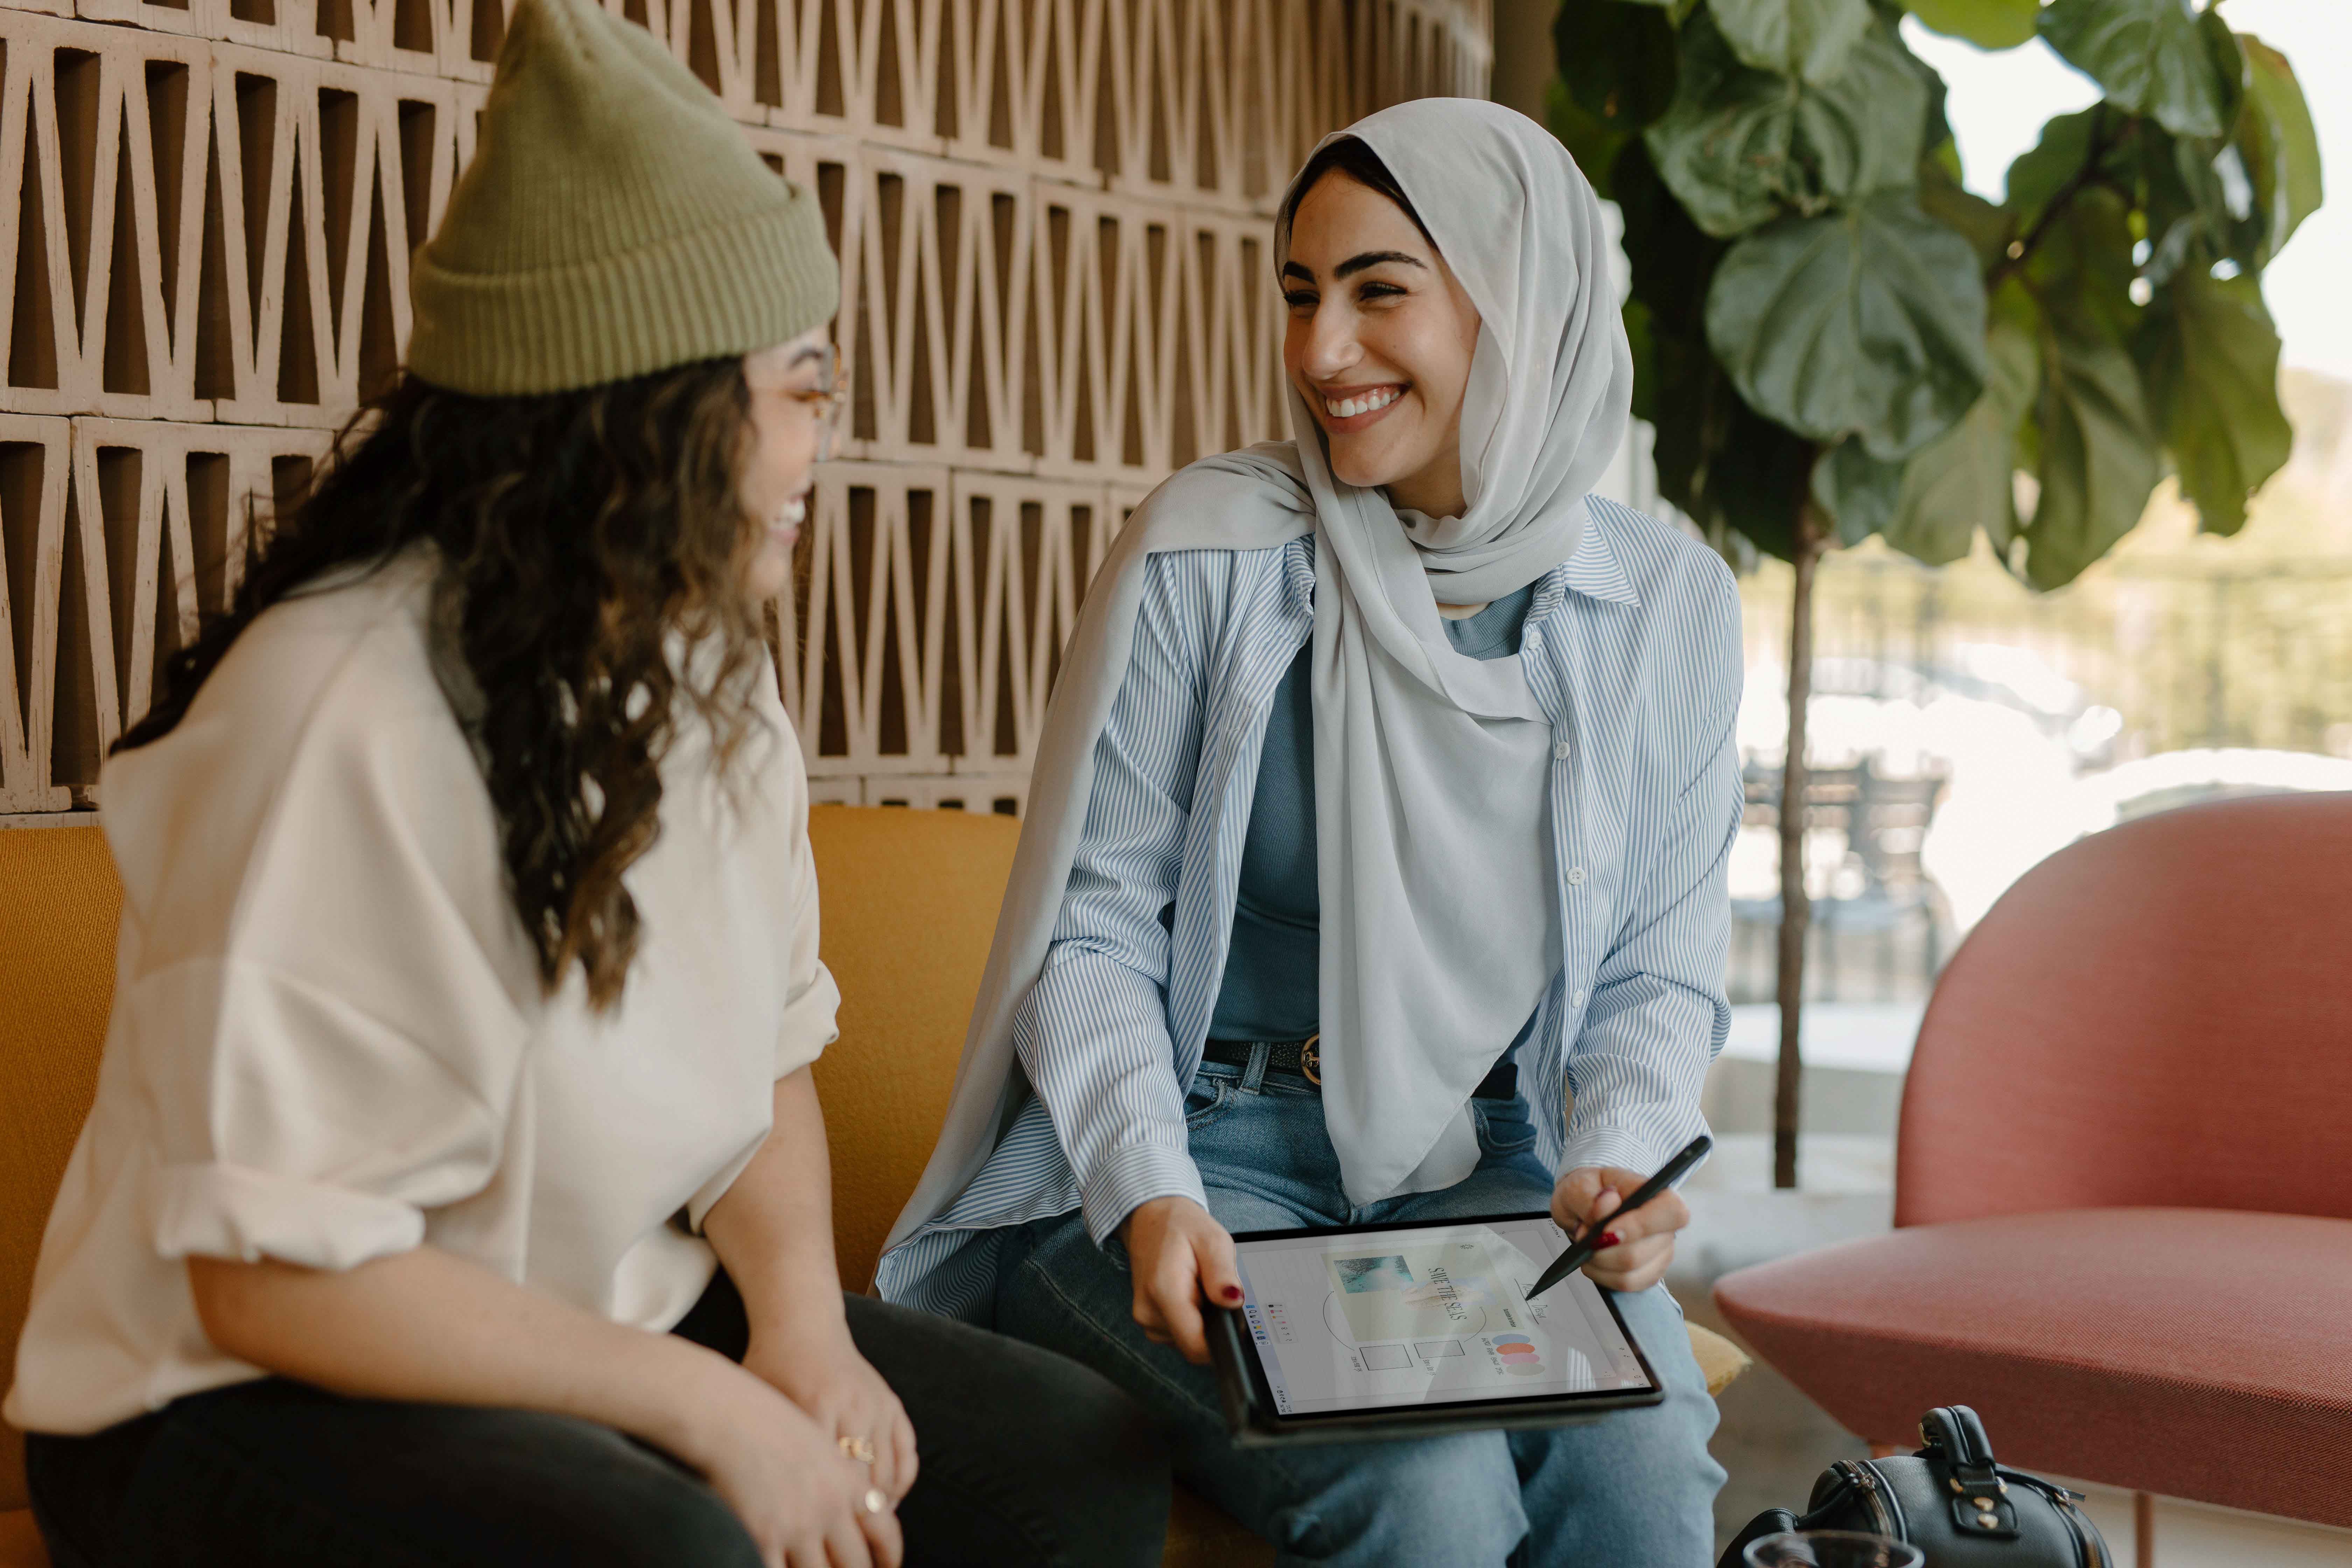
<point>1052,221</point>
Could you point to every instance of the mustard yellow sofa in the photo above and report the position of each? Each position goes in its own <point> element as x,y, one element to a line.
<point>910,899</point>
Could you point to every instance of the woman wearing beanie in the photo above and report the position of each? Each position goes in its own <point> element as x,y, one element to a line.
<point>1381,811</point>
<point>455,1190</point>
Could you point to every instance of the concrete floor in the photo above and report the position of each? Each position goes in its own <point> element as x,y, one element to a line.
<point>1773,1441</point>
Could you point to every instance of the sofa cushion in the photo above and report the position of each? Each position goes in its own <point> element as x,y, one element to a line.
<point>2197,1352</point>
<point>1203,1535</point>
<point>20,1540</point>
<point>907,905</point>
<point>59,900</point>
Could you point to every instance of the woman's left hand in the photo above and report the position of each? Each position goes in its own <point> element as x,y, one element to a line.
<point>1645,1243</point>
<point>840,1391</point>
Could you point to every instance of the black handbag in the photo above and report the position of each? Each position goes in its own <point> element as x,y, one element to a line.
<point>1952,1500</point>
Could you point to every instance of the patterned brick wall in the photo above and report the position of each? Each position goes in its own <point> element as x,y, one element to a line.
<point>1052,217</point>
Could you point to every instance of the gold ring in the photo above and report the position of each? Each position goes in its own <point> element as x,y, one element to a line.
<point>875,1503</point>
<point>857,1449</point>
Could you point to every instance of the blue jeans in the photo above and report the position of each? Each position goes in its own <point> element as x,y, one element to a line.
<point>1633,1489</point>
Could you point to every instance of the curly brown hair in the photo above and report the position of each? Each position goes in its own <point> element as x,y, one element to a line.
<point>578,534</point>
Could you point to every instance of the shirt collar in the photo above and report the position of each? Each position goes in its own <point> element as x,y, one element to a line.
<point>1594,571</point>
<point>1298,574</point>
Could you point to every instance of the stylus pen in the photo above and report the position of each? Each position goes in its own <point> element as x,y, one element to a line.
<point>1568,1262</point>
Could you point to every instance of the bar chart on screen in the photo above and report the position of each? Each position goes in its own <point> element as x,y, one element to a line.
<point>1438,1314</point>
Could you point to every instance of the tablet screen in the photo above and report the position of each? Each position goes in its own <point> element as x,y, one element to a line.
<point>1346,1322</point>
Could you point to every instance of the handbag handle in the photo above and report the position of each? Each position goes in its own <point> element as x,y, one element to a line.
<point>1980,1498</point>
<point>1953,1434</point>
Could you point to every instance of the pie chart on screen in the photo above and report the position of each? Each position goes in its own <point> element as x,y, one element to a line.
<point>1518,1354</point>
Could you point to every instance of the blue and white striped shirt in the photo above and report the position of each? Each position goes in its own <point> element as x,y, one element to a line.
<point>1632,649</point>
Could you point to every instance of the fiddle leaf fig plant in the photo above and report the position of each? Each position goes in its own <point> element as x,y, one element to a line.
<point>1833,340</point>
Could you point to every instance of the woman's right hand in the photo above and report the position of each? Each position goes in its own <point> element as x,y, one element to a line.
<point>801,1497</point>
<point>1179,1255</point>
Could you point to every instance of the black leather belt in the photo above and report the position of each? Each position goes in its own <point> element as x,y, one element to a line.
<point>1303,1059</point>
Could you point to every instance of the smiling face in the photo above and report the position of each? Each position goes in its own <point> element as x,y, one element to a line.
<point>780,467</point>
<point>1379,343</point>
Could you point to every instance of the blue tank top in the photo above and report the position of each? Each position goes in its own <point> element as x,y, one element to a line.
<point>1269,990</point>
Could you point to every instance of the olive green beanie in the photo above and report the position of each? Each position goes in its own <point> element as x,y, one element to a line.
<point>614,222</point>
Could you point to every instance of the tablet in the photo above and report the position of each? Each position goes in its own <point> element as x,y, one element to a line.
<point>1394,1330</point>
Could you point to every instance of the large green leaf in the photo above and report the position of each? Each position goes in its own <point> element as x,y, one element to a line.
<point>2209,356</point>
<point>2066,200</point>
<point>1618,60</point>
<point>1672,261</point>
<point>1756,479</point>
<point>2148,55</point>
<point>1941,148</point>
<point>1682,392</point>
<point>1869,322</point>
<point>1724,145</point>
<point>2280,148</point>
<point>2197,207</point>
<point>1807,39</point>
<point>1641,343</point>
<point>1988,23</point>
<point>1855,490</point>
<point>1986,227</point>
<point>1589,139</point>
<point>2097,457</point>
<point>1717,462</point>
<point>1964,482</point>
<point>2074,149</point>
<point>1688,408</point>
<point>2228,61</point>
<point>1677,386</point>
<point>1741,145</point>
<point>2081,268</point>
<point>2057,157</point>
<point>1864,129</point>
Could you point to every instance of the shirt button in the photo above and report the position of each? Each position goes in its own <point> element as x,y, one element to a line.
<point>1577,1000</point>
<point>1559,750</point>
<point>1576,876</point>
<point>1534,643</point>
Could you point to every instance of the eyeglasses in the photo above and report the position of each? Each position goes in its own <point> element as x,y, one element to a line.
<point>827,403</point>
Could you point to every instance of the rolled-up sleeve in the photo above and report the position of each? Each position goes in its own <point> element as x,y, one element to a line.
<point>339,1052</point>
<point>809,1020</point>
<point>1093,1033</point>
<point>811,999</point>
<point>1659,1013</point>
<point>303,1129</point>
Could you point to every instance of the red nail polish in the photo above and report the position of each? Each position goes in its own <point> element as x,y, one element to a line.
<point>1608,1238</point>
<point>1232,1294</point>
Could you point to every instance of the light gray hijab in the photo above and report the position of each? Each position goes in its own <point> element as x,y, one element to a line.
<point>1440,923</point>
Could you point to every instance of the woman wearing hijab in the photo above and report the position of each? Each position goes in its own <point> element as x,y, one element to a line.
<point>1382,808</point>
<point>457,1190</point>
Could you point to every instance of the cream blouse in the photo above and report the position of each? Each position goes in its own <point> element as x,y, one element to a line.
<point>329,1042</point>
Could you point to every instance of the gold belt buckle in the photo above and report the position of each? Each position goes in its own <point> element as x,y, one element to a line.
<point>1310,1061</point>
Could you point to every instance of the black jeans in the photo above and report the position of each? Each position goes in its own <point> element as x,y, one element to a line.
<point>1026,1459</point>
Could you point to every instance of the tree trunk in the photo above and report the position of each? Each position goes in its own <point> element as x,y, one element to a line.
<point>1796,909</point>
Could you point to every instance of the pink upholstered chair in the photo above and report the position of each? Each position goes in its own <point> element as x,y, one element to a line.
<point>2123,1181</point>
